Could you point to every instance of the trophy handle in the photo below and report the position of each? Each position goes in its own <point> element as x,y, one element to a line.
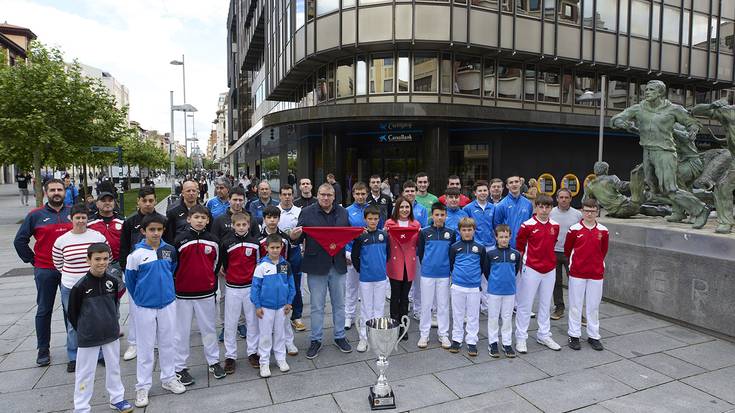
<point>404,324</point>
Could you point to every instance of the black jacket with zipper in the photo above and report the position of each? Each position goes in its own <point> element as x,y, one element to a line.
<point>93,310</point>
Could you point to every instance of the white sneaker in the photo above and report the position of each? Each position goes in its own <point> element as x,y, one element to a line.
<point>291,349</point>
<point>130,353</point>
<point>348,323</point>
<point>174,386</point>
<point>446,343</point>
<point>283,366</point>
<point>141,398</point>
<point>434,321</point>
<point>265,371</point>
<point>521,346</point>
<point>423,342</point>
<point>550,343</point>
<point>362,346</point>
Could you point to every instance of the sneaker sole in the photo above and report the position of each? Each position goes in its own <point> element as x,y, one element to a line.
<point>230,371</point>
<point>510,356</point>
<point>550,348</point>
<point>219,377</point>
<point>451,350</point>
<point>171,390</point>
<point>122,411</point>
<point>495,356</point>
<point>141,405</point>
<point>293,353</point>
<point>129,358</point>
<point>472,354</point>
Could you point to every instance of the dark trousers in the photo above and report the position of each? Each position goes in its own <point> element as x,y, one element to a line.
<point>298,303</point>
<point>561,263</point>
<point>47,282</point>
<point>399,298</point>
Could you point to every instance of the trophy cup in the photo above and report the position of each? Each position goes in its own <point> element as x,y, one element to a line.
<point>383,337</point>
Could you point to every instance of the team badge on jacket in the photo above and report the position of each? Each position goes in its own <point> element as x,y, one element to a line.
<point>248,252</point>
<point>474,248</point>
<point>446,235</point>
<point>380,237</point>
<point>207,249</point>
<point>108,286</point>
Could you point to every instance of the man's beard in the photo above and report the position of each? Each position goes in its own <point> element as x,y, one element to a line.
<point>52,201</point>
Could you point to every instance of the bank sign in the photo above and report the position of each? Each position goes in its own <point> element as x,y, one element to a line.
<point>397,132</point>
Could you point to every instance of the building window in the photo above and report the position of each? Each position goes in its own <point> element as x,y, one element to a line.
<point>607,14</point>
<point>655,33</point>
<point>321,85</point>
<point>489,76</point>
<point>640,15</point>
<point>345,78</point>
<point>548,87</point>
<point>348,3</point>
<point>404,68</point>
<point>470,163</point>
<point>487,4</point>
<point>310,10</point>
<point>702,95</point>
<point>510,81</point>
<point>569,12</point>
<point>585,89</point>
<point>699,31</point>
<point>425,73</point>
<point>381,74</point>
<point>623,7</point>
<point>677,94</point>
<point>364,2</point>
<point>529,7</point>
<point>567,88</point>
<point>529,83</point>
<point>467,74</point>
<point>326,6</point>
<point>300,13</point>
<point>446,73</point>
<point>726,34</point>
<point>588,13</point>
<point>330,80</point>
<point>671,24</point>
<point>617,93</point>
<point>361,76</point>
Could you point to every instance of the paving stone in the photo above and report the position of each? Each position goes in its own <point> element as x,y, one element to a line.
<point>684,334</point>
<point>633,323</point>
<point>551,394</point>
<point>640,344</point>
<point>711,355</point>
<point>566,360</point>
<point>227,398</point>
<point>6,346</point>
<point>595,408</point>
<point>667,398</point>
<point>18,380</point>
<point>245,373</point>
<point>421,362</point>
<point>14,310</point>
<point>16,331</point>
<point>718,383</point>
<point>504,400</point>
<point>668,365</point>
<point>410,394</point>
<point>612,310</point>
<point>330,355</point>
<point>321,404</point>
<point>320,381</point>
<point>481,378</point>
<point>30,342</point>
<point>632,374</point>
<point>27,359</point>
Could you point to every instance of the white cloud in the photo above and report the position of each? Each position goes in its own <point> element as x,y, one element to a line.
<point>135,40</point>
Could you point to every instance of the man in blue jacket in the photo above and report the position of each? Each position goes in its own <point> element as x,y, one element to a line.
<point>356,213</point>
<point>514,209</point>
<point>256,207</point>
<point>482,211</point>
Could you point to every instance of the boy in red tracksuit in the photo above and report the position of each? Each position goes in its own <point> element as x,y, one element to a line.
<point>535,241</point>
<point>586,248</point>
<point>196,285</point>
<point>240,256</point>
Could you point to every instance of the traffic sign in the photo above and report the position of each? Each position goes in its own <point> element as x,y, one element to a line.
<point>104,149</point>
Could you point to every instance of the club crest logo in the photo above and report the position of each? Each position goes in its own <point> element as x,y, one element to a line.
<point>513,256</point>
<point>207,250</point>
<point>475,249</point>
<point>118,226</point>
<point>599,236</point>
<point>382,200</point>
<point>380,237</point>
<point>283,268</point>
<point>553,231</point>
<point>446,235</point>
<point>248,252</point>
<point>332,246</point>
<point>108,286</point>
<point>166,255</point>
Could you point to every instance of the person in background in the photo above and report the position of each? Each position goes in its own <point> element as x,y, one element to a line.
<point>305,198</point>
<point>71,194</point>
<point>23,179</point>
<point>220,203</point>
<point>423,197</point>
<point>496,191</point>
<point>337,189</point>
<point>454,182</point>
<point>203,189</point>
<point>379,198</point>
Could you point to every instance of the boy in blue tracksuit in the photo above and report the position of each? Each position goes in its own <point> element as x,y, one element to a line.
<point>356,215</point>
<point>483,211</point>
<point>433,252</point>
<point>454,212</point>
<point>514,209</point>
<point>370,252</point>
<point>149,278</point>
<point>468,264</point>
<point>272,293</point>
<point>504,262</point>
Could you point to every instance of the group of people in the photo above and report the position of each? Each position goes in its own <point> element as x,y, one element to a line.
<point>434,256</point>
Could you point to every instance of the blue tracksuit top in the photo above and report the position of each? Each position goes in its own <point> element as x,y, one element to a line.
<point>453,218</point>
<point>255,209</point>
<point>485,233</point>
<point>370,252</point>
<point>273,286</point>
<point>420,214</point>
<point>468,263</point>
<point>504,265</point>
<point>513,212</point>
<point>356,215</point>
<point>433,251</point>
<point>217,206</point>
<point>149,275</point>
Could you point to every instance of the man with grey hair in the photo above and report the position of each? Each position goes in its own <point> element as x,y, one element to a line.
<point>256,207</point>
<point>221,202</point>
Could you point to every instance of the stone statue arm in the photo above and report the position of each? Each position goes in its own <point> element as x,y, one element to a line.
<point>621,186</point>
<point>703,109</point>
<point>691,124</point>
<point>625,119</point>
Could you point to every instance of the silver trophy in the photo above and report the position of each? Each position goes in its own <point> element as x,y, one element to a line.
<point>383,337</point>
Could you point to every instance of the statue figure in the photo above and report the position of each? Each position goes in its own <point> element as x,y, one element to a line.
<point>689,166</point>
<point>653,120</point>
<point>607,190</point>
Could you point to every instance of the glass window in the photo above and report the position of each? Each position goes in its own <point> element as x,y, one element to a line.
<point>624,5</point>
<point>300,13</point>
<point>446,73</point>
<point>361,76</point>
<point>671,24</point>
<point>529,7</point>
<point>585,89</point>
<point>702,96</point>
<point>510,81</point>
<point>403,72</point>
<point>470,163</point>
<point>699,30</point>
<point>569,11</point>
<point>529,83</point>
<point>640,14</point>
<point>567,88</point>
<point>548,87</point>
<point>607,14</point>
<point>488,82</point>
<point>656,21</point>
<point>726,35</point>
<point>488,4</point>
<point>381,74</point>
<point>321,85</point>
<point>330,80</point>
<point>632,94</point>
<point>425,73</point>
<point>588,12</point>
<point>617,93</point>
<point>677,94</point>
<point>326,6</point>
<point>348,3</point>
<point>549,9</point>
<point>685,28</point>
<point>467,73</point>
<point>287,22</point>
<point>310,9</point>
<point>345,78</point>
<point>372,1</point>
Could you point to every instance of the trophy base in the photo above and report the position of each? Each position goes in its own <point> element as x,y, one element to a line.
<point>381,403</point>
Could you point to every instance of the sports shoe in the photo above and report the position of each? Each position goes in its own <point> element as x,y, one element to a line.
<point>423,342</point>
<point>265,371</point>
<point>456,345</point>
<point>44,357</point>
<point>521,347</point>
<point>313,350</point>
<point>596,344</point>
<point>472,350</point>
<point>509,352</point>
<point>242,330</point>
<point>71,366</point>
<point>362,346</point>
<point>184,377</point>
<point>122,406</point>
<point>254,360</point>
<point>550,343</point>
<point>217,371</point>
<point>291,349</point>
<point>434,321</point>
<point>445,342</point>
<point>298,325</point>
<point>348,323</point>
<point>493,349</point>
<point>174,386</point>
<point>221,336</point>
<point>130,353</point>
<point>584,321</point>
<point>283,366</point>
<point>230,366</point>
<point>557,314</point>
<point>141,398</point>
<point>343,345</point>
<point>573,343</point>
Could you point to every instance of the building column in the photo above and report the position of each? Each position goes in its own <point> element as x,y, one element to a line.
<point>436,144</point>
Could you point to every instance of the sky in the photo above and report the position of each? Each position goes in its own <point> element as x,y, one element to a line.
<point>134,40</point>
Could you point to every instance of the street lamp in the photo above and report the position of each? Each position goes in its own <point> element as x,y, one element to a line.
<point>186,107</point>
<point>588,96</point>
<point>183,75</point>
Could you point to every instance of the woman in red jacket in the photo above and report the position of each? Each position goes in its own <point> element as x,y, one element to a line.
<point>403,232</point>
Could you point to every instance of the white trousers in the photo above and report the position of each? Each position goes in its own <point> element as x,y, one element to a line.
<point>271,336</point>
<point>205,311</point>
<point>237,302</point>
<point>131,320</point>
<point>414,294</point>
<point>372,304</point>
<point>352,289</point>
<point>465,304</point>
<point>483,286</point>
<point>287,329</point>
<point>500,307</point>
<point>531,283</point>
<point>579,289</point>
<point>152,324</point>
<point>84,376</point>
<point>434,294</point>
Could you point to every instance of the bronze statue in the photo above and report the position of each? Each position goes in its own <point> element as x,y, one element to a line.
<point>608,191</point>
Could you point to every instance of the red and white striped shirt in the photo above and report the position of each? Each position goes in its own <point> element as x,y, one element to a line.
<point>70,255</point>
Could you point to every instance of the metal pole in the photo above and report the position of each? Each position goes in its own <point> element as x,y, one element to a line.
<point>183,72</point>
<point>171,146</point>
<point>602,117</point>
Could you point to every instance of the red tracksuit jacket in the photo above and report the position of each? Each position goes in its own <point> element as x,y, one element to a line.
<point>198,258</point>
<point>586,249</point>
<point>111,229</point>
<point>239,259</point>
<point>536,240</point>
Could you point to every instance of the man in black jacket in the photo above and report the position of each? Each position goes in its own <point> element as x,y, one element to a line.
<point>382,201</point>
<point>176,216</point>
<point>306,198</point>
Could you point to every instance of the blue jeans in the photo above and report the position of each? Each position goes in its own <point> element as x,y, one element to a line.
<point>298,303</point>
<point>71,334</point>
<point>47,281</point>
<point>318,285</point>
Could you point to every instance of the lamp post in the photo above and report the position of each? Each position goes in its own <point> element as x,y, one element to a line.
<point>591,96</point>
<point>183,75</point>
<point>172,142</point>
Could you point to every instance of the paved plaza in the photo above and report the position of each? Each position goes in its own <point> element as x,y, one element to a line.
<point>648,365</point>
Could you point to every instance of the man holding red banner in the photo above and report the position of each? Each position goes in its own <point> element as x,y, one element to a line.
<point>326,229</point>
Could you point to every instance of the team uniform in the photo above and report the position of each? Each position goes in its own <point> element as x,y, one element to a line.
<point>468,264</point>
<point>384,203</point>
<point>176,222</point>
<point>217,207</point>
<point>426,200</point>
<point>565,219</point>
<point>288,221</point>
<point>111,228</point>
<point>513,211</point>
<point>433,251</point>
<point>501,292</point>
<point>421,215</point>
<point>485,235</point>
<point>356,215</point>
<point>370,252</point>
<point>453,218</point>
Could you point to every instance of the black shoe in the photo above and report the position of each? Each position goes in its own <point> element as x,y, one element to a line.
<point>472,350</point>
<point>574,343</point>
<point>242,330</point>
<point>509,352</point>
<point>596,344</point>
<point>313,349</point>
<point>184,377</point>
<point>493,348</point>
<point>456,345</point>
<point>217,371</point>
<point>71,366</point>
<point>341,344</point>
<point>254,361</point>
<point>230,365</point>
<point>44,358</point>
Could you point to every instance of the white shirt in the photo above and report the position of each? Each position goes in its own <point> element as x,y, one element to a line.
<point>565,219</point>
<point>289,218</point>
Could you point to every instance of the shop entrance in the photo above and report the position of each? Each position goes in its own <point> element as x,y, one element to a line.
<point>387,159</point>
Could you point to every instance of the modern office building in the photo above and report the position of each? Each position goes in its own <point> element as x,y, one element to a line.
<point>477,88</point>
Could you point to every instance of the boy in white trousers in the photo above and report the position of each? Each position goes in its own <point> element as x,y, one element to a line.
<point>356,215</point>
<point>370,252</point>
<point>93,312</point>
<point>272,292</point>
<point>504,264</point>
<point>586,247</point>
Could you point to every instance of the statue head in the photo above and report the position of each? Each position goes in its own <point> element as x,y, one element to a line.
<point>655,89</point>
<point>601,168</point>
